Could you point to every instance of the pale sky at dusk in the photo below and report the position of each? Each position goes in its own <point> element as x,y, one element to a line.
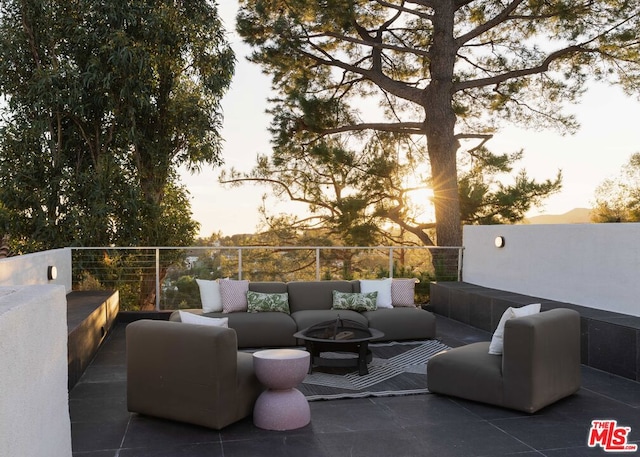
<point>609,134</point>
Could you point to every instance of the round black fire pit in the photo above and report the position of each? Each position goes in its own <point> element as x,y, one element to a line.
<point>341,336</point>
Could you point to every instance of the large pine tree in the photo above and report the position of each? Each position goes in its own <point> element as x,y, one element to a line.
<point>445,70</point>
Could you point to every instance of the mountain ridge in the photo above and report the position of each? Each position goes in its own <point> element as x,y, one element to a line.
<point>574,216</point>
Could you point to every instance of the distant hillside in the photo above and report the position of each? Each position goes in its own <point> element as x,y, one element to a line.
<point>575,216</point>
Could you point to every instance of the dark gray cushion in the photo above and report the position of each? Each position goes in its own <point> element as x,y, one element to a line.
<point>541,359</point>
<point>402,323</point>
<point>256,330</point>
<point>305,319</point>
<point>315,295</point>
<point>266,329</point>
<point>467,372</point>
<point>268,287</point>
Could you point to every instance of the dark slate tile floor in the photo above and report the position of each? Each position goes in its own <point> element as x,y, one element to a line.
<point>417,425</point>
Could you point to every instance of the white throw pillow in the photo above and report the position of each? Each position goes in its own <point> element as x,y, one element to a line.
<point>382,286</point>
<point>210,296</point>
<point>497,341</point>
<point>190,318</point>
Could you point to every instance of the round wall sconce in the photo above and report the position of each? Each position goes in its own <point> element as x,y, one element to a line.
<point>499,241</point>
<point>52,272</point>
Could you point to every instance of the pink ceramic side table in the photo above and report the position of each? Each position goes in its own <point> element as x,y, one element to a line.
<point>281,406</point>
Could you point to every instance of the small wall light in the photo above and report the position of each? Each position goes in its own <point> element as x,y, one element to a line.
<point>499,241</point>
<point>52,272</point>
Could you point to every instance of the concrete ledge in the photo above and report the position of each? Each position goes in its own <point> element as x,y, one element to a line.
<point>610,341</point>
<point>126,317</point>
<point>90,316</point>
<point>34,403</point>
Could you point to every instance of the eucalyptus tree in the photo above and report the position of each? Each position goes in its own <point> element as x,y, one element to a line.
<point>104,101</point>
<point>449,71</point>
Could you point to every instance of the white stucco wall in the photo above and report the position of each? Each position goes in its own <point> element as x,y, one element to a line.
<point>34,401</point>
<point>594,265</point>
<point>30,269</point>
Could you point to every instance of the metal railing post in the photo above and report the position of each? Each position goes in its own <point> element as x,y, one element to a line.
<point>239,263</point>
<point>317,264</point>
<point>460,263</point>
<point>391,261</point>
<point>157,279</point>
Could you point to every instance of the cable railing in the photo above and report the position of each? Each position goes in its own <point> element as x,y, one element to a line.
<point>164,278</point>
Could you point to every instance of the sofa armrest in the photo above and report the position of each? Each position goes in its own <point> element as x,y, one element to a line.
<point>541,359</point>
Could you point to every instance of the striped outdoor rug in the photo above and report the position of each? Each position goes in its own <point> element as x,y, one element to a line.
<point>397,368</point>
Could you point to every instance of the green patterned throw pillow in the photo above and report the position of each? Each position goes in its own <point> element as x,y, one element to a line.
<point>261,302</point>
<point>354,301</point>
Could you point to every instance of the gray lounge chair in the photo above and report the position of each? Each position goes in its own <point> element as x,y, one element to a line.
<point>540,364</point>
<point>189,373</point>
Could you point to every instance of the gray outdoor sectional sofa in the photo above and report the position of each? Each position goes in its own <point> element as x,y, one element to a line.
<point>310,303</point>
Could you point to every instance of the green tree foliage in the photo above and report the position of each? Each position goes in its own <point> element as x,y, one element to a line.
<point>339,186</point>
<point>104,100</point>
<point>365,197</point>
<point>618,199</point>
<point>485,199</point>
<point>448,72</point>
<point>291,253</point>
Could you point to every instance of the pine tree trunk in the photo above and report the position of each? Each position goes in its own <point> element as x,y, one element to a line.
<point>440,120</point>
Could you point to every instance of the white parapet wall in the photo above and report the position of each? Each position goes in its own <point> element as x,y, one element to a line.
<point>30,269</point>
<point>593,265</point>
<point>34,401</point>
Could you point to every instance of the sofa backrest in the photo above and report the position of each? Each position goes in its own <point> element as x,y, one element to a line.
<point>307,295</point>
<point>268,287</point>
<point>541,359</point>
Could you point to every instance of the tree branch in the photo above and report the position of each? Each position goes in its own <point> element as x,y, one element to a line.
<point>498,19</point>
<point>543,67</point>
<point>377,45</point>
<point>278,183</point>
<point>396,88</point>
<point>400,127</point>
<point>418,230</point>
<point>402,9</point>
<point>468,136</point>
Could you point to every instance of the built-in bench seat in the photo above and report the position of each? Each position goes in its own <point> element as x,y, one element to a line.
<point>609,341</point>
<point>90,316</point>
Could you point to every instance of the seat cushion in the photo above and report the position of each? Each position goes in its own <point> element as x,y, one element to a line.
<point>402,323</point>
<point>263,329</point>
<point>256,329</point>
<point>311,317</point>
<point>467,372</point>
